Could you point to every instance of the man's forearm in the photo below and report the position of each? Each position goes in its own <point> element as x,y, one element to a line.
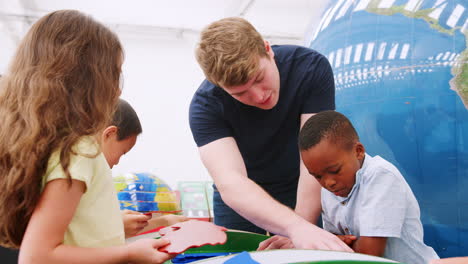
<point>308,203</point>
<point>257,206</point>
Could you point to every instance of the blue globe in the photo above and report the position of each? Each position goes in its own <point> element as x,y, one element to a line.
<point>401,76</point>
<point>145,192</point>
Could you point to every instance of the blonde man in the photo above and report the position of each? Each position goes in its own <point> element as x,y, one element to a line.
<point>245,119</point>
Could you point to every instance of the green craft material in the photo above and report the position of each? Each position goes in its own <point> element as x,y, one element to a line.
<point>236,242</point>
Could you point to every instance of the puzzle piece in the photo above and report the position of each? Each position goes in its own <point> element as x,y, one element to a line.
<point>242,258</point>
<point>192,233</point>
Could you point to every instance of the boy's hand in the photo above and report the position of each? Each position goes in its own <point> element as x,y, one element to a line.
<point>348,239</point>
<point>134,222</point>
<point>276,242</point>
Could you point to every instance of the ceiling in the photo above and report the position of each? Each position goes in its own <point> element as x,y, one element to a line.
<point>279,21</point>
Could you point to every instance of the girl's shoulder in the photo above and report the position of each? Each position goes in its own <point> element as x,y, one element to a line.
<point>86,146</point>
<point>85,156</point>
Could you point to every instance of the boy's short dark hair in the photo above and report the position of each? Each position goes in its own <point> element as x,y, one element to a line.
<point>330,125</point>
<point>126,120</point>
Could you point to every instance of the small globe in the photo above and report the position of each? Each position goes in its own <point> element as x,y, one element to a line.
<point>145,192</point>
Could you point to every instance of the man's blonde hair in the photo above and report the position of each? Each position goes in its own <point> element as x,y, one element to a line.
<point>229,51</point>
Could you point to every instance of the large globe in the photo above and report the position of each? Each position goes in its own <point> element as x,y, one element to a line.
<point>401,76</point>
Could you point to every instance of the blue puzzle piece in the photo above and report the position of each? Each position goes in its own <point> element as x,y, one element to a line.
<point>242,258</point>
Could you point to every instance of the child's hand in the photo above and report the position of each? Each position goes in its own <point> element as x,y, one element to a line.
<point>276,242</point>
<point>146,251</point>
<point>348,239</point>
<point>170,219</point>
<point>134,222</point>
<point>166,220</point>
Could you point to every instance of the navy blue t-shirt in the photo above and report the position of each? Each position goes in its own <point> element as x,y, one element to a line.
<point>267,139</point>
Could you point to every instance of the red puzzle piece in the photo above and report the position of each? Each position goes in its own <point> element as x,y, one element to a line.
<point>192,233</point>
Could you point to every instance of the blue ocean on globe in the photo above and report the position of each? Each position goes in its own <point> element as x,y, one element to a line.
<point>145,192</point>
<point>401,76</point>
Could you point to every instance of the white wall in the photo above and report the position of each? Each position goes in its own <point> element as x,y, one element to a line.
<point>160,71</point>
<point>10,35</point>
<point>160,77</point>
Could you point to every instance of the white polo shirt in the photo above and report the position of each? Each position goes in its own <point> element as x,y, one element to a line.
<point>380,204</point>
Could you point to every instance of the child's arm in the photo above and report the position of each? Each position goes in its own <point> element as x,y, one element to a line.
<point>370,245</point>
<point>43,239</point>
<point>164,220</point>
<point>167,220</point>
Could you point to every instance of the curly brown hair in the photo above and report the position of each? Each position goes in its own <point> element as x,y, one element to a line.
<point>62,84</point>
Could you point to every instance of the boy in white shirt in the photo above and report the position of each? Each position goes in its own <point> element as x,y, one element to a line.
<point>365,200</point>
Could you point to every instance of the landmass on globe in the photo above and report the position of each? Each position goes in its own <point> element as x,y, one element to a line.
<point>459,83</point>
<point>145,192</point>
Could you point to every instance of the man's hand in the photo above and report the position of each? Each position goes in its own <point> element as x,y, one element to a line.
<point>348,239</point>
<point>134,222</point>
<point>276,242</point>
<point>307,236</point>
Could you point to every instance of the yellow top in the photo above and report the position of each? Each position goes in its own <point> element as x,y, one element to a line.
<point>97,221</point>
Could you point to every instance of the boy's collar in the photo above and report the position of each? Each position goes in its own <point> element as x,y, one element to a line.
<point>357,182</point>
<point>365,163</point>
